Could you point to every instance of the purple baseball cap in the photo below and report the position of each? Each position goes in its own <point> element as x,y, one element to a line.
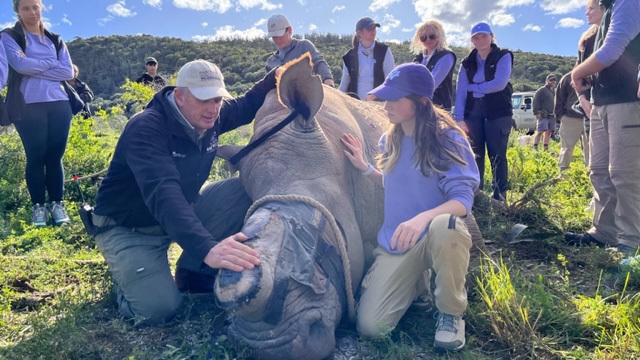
<point>406,79</point>
<point>482,27</point>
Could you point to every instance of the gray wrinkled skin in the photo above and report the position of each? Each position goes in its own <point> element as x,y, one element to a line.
<point>304,158</point>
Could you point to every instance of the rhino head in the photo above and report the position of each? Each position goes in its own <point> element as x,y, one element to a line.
<point>312,212</point>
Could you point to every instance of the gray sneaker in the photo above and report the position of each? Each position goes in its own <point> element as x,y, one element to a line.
<point>449,333</point>
<point>58,213</point>
<point>39,215</point>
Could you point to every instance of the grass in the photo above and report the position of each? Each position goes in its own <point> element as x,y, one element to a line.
<point>533,297</point>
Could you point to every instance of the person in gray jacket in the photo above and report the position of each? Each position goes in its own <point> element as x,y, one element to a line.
<point>571,123</point>
<point>281,32</point>
<point>543,109</point>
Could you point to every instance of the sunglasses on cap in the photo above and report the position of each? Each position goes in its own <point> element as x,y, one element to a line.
<point>423,38</point>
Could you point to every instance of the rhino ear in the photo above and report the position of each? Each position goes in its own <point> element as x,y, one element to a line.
<point>227,152</point>
<point>297,84</point>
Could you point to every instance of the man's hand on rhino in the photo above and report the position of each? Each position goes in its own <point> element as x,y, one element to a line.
<point>354,152</point>
<point>232,254</point>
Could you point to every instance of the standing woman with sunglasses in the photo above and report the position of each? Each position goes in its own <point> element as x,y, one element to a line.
<point>368,63</point>
<point>39,106</point>
<point>483,104</point>
<point>430,46</point>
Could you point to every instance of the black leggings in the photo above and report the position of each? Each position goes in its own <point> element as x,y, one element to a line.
<point>44,131</point>
<point>494,135</point>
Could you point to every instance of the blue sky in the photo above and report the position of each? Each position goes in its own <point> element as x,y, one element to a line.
<point>543,26</point>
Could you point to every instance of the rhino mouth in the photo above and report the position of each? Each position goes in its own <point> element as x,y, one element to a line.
<point>292,302</point>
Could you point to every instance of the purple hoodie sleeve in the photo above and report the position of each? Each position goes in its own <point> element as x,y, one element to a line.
<point>624,27</point>
<point>461,94</point>
<point>64,69</point>
<point>21,63</point>
<point>442,68</point>
<point>460,182</point>
<point>3,66</point>
<point>499,82</point>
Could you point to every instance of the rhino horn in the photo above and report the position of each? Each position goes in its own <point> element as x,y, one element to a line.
<point>299,89</point>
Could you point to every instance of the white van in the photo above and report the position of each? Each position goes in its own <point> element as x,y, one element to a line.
<point>523,118</point>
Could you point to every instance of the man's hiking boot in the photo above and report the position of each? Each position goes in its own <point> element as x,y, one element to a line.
<point>58,213</point>
<point>39,215</point>
<point>449,333</point>
<point>193,282</point>
<point>581,239</point>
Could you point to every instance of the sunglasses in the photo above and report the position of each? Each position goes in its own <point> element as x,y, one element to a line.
<point>423,38</point>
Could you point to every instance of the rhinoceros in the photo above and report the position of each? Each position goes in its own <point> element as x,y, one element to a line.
<point>314,219</point>
<point>313,216</point>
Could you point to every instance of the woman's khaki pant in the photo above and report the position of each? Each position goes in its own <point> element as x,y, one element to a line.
<point>394,280</point>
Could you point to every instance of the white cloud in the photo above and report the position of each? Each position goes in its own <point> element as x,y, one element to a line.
<point>338,8</point>
<point>389,23</point>
<point>219,6</point>
<point>7,24</point>
<point>531,27</point>
<point>66,20</point>
<point>228,32</point>
<point>153,3</point>
<point>119,9</point>
<point>569,23</point>
<point>204,24</point>
<point>313,27</point>
<point>458,16</point>
<point>260,22</point>
<point>381,4</point>
<point>302,2</point>
<point>501,18</point>
<point>408,30</point>
<point>264,4</point>
<point>555,7</point>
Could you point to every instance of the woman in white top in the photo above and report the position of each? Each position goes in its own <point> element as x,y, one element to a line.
<point>368,63</point>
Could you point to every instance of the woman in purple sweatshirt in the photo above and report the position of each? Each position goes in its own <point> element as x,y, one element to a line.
<point>483,104</point>
<point>429,178</point>
<point>39,106</point>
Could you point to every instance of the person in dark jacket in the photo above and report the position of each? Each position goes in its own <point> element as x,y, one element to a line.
<point>429,44</point>
<point>146,200</point>
<point>483,104</point>
<point>543,109</point>
<point>151,77</point>
<point>615,128</point>
<point>83,91</point>
<point>368,63</point>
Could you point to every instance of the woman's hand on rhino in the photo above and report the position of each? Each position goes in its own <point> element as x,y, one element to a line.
<point>232,254</point>
<point>354,152</point>
<point>408,233</point>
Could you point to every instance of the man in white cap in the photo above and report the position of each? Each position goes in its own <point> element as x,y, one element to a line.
<point>148,197</point>
<point>280,31</point>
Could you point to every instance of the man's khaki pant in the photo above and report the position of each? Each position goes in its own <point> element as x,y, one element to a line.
<point>571,130</point>
<point>615,173</point>
<point>394,280</point>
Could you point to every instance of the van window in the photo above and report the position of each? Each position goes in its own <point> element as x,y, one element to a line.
<point>515,102</point>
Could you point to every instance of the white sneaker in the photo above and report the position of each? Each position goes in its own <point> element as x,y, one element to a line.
<point>449,333</point>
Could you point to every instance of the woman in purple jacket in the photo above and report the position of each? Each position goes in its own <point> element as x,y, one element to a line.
<point>39,106</point>
<point>483,104</point>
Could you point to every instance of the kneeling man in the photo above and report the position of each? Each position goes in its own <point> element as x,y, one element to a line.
<point>146,200</point>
